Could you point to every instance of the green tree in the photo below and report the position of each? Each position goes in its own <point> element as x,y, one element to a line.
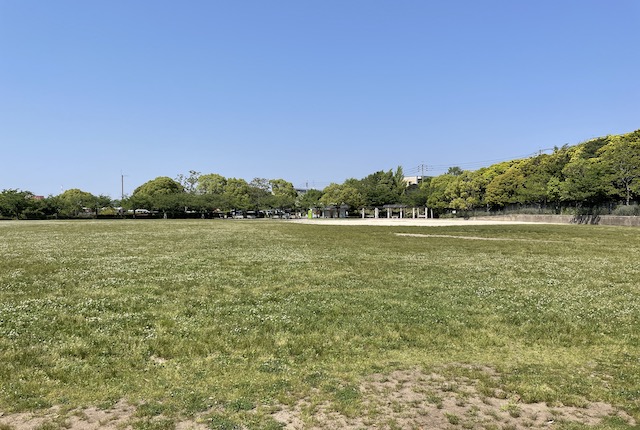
<point>554,165</point>
<point>464,192</point>
<point>309,200</point>
<point>40,208</point>
<point>190,182</point>
<point>237,193</point>
<point>506,188</point>
<point>72,202</point>
<point>416,195</point>
<point>14,202</point>
<point>138,201</point>
<point>211,183</point>
<point>400,183</point>
<point>210,202</point>
<point>556,161</point>
<point>455,171</point>
<point>380,188</point>
<point>161,185</point>
<point>591,147</point>
<point>335,194</point>
<point>620,158</point>
<point>537,173</point>
<point>438,200</point>
<point>583,182</point>
<point>260,193</point>
<point>162,194</point>
<point>284,194</point>
<point>174,204</point>
<point>554,191</point>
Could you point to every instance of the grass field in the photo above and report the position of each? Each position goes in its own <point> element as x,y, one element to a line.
<point>258,324</point>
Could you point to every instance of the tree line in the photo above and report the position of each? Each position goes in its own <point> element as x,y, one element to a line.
<point>198,193</point>
<point>596,174</point>
<point>601,172</point>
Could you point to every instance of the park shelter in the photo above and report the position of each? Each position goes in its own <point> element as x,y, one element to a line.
<point>395,210</point>
<point>335,211</point>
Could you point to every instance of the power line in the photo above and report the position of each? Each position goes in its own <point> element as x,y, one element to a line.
<point>416,171</point>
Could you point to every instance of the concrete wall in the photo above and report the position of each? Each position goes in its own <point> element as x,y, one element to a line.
<point>631,221</point>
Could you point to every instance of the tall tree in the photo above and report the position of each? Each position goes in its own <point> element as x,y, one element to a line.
<point>284,193</point>
<point>465,191</point>
<point>260,193</point>
<point>161,185</point>
<point>237,192</point>
<point>71,202</point>
<point>211,183</point>
<point>162,193</point>
<point>14,202</point>
<point>416,195</point>
<point>310,199</point>
<point>174,204</point>
<point>505,188</point>
<point>335,194</point>
<point>621,161</point>
<point>381,187</point>
<point>189,182</point>
<point>455,171</point>
<point>438,199</point>
<point>536,172</point>
<point>583,183</point>
<point>400,183</point>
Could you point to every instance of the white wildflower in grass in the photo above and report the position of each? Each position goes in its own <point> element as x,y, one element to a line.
<point>243,315</point>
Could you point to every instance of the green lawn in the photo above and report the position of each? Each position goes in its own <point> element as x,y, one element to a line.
<point>232,319</point>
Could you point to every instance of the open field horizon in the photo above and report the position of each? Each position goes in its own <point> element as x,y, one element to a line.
<point>265,324</point>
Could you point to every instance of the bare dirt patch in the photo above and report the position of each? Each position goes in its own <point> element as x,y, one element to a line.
<point>403,399</point>
<point>415,400</point>
<point>85,419</point>
<point>450,236</point>
<point>415,222</point>
<point>120,417</point>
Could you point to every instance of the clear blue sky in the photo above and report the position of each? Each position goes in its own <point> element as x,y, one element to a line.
<point>308,91</point>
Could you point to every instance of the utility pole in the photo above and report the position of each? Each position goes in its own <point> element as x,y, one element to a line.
<point>421,169</point>
<point>121,187</point>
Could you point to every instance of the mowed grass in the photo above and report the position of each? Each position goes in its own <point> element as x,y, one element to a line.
<point>235,318</point>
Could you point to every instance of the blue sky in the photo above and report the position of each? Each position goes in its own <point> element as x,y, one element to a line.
<point>308,91</point>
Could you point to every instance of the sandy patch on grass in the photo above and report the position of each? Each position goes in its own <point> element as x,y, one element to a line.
<point>408,399</point>
<point>91,418</point>
<point>120,417</point>
<point>415,400</point>
<point>450,236</point>
<point>413,222</point>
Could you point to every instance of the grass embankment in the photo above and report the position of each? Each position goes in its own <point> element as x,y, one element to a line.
<point>233,320</point>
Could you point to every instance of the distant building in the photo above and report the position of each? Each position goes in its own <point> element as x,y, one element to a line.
<point>413,180</point>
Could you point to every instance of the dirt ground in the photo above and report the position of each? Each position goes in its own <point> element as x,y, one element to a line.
<point>423,222</point>
<point>408,399</point>
<point>415,400</point>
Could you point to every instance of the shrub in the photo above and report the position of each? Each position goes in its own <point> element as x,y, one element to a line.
<point>624,210</point>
